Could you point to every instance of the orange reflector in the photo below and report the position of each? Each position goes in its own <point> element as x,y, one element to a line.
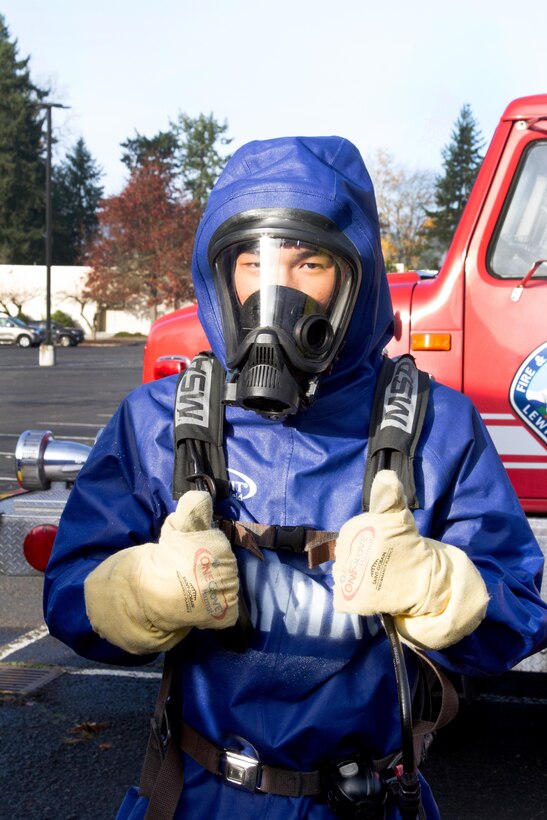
<point>38,544</point>
<point>430,341</point>
<point>170,366</point>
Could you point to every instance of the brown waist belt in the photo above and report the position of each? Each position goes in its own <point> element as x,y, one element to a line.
<point>249,773</point>
<point>316,544</point>
<point>246,772</point>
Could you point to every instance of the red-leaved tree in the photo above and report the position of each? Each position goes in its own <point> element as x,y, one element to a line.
<point>143,251</point>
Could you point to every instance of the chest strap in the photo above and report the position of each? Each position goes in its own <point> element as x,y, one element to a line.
<point>316,544</point>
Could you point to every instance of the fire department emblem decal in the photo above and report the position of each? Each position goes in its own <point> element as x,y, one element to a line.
<point>528,392</point>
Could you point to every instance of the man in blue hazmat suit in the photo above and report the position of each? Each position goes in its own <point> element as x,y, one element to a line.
<point>292,293</point>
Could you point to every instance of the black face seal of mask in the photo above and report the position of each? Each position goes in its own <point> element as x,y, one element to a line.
<point>287,281</point>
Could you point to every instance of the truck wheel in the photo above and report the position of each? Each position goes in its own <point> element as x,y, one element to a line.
<point>64,341</point>
<point>24,341</point>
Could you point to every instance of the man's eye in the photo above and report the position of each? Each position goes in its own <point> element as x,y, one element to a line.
<point>249,262</point>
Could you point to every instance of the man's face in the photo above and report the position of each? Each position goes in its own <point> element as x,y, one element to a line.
<point>307,269</point>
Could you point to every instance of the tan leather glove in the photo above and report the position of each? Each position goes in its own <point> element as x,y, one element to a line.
<point>383,564</point>
<point>146,599</point>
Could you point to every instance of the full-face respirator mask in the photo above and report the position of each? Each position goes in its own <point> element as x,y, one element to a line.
<point>286,281</point>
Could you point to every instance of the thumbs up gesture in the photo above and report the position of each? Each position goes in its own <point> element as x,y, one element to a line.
<point>383,564</point>
<point>191,578</point>
<point>147,598</point>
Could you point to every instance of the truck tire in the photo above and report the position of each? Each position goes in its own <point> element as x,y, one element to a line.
<point>64,340</point>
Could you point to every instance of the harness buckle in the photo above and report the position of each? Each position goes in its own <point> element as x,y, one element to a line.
<point>240,770</point>
<point>290,538</point>
<point>161,729</point>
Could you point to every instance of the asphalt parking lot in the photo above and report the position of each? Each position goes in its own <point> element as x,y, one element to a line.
<point>84,727</point>
<point>70,749</point>
<point>73,399</point>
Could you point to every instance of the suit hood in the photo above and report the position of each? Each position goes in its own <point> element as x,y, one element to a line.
<point>326,175</point>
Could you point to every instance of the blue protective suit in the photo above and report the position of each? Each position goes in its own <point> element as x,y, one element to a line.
<point>314,684</point>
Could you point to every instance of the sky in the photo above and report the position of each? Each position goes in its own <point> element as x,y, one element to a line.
<point>389,76</point>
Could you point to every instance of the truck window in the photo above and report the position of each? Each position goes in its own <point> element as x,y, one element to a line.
<point>521,237</point>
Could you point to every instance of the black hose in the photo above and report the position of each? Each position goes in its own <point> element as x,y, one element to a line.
<point>202,481</point>
<point>409,784</point>
<point>403,690</point>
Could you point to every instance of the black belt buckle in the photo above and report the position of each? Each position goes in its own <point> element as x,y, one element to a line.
<point>290,538</point>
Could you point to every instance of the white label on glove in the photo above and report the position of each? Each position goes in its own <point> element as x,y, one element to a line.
<point>379,568</point>
<point>188,591</point>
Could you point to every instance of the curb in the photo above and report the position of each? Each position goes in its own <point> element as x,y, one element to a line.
<point>112,342</point>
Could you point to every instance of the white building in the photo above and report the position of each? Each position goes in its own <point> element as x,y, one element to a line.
<point>25,286</point>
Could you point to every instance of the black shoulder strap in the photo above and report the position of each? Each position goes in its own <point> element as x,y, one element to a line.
<point>398,413</point>
<point>199,418</point>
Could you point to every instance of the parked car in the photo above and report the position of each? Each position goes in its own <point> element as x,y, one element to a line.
<point>61,334</point>
<point>15,331</point>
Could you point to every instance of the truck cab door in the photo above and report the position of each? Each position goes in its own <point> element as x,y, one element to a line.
<point>505,314</point>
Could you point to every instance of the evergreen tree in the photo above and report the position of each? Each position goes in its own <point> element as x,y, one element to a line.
<point>76,194</point>
<point>140,150</point>
<point>198,158</point>
<point>22,164</point>
<point>187,151</point>
<point>462,158</point>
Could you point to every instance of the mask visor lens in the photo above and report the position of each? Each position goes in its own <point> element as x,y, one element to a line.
<point>290,286</point>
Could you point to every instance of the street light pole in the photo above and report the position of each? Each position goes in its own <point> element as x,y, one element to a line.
<point>47,349</point>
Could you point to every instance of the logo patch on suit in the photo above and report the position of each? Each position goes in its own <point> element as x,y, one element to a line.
<point>528,392</point>
<point>241,485</point>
